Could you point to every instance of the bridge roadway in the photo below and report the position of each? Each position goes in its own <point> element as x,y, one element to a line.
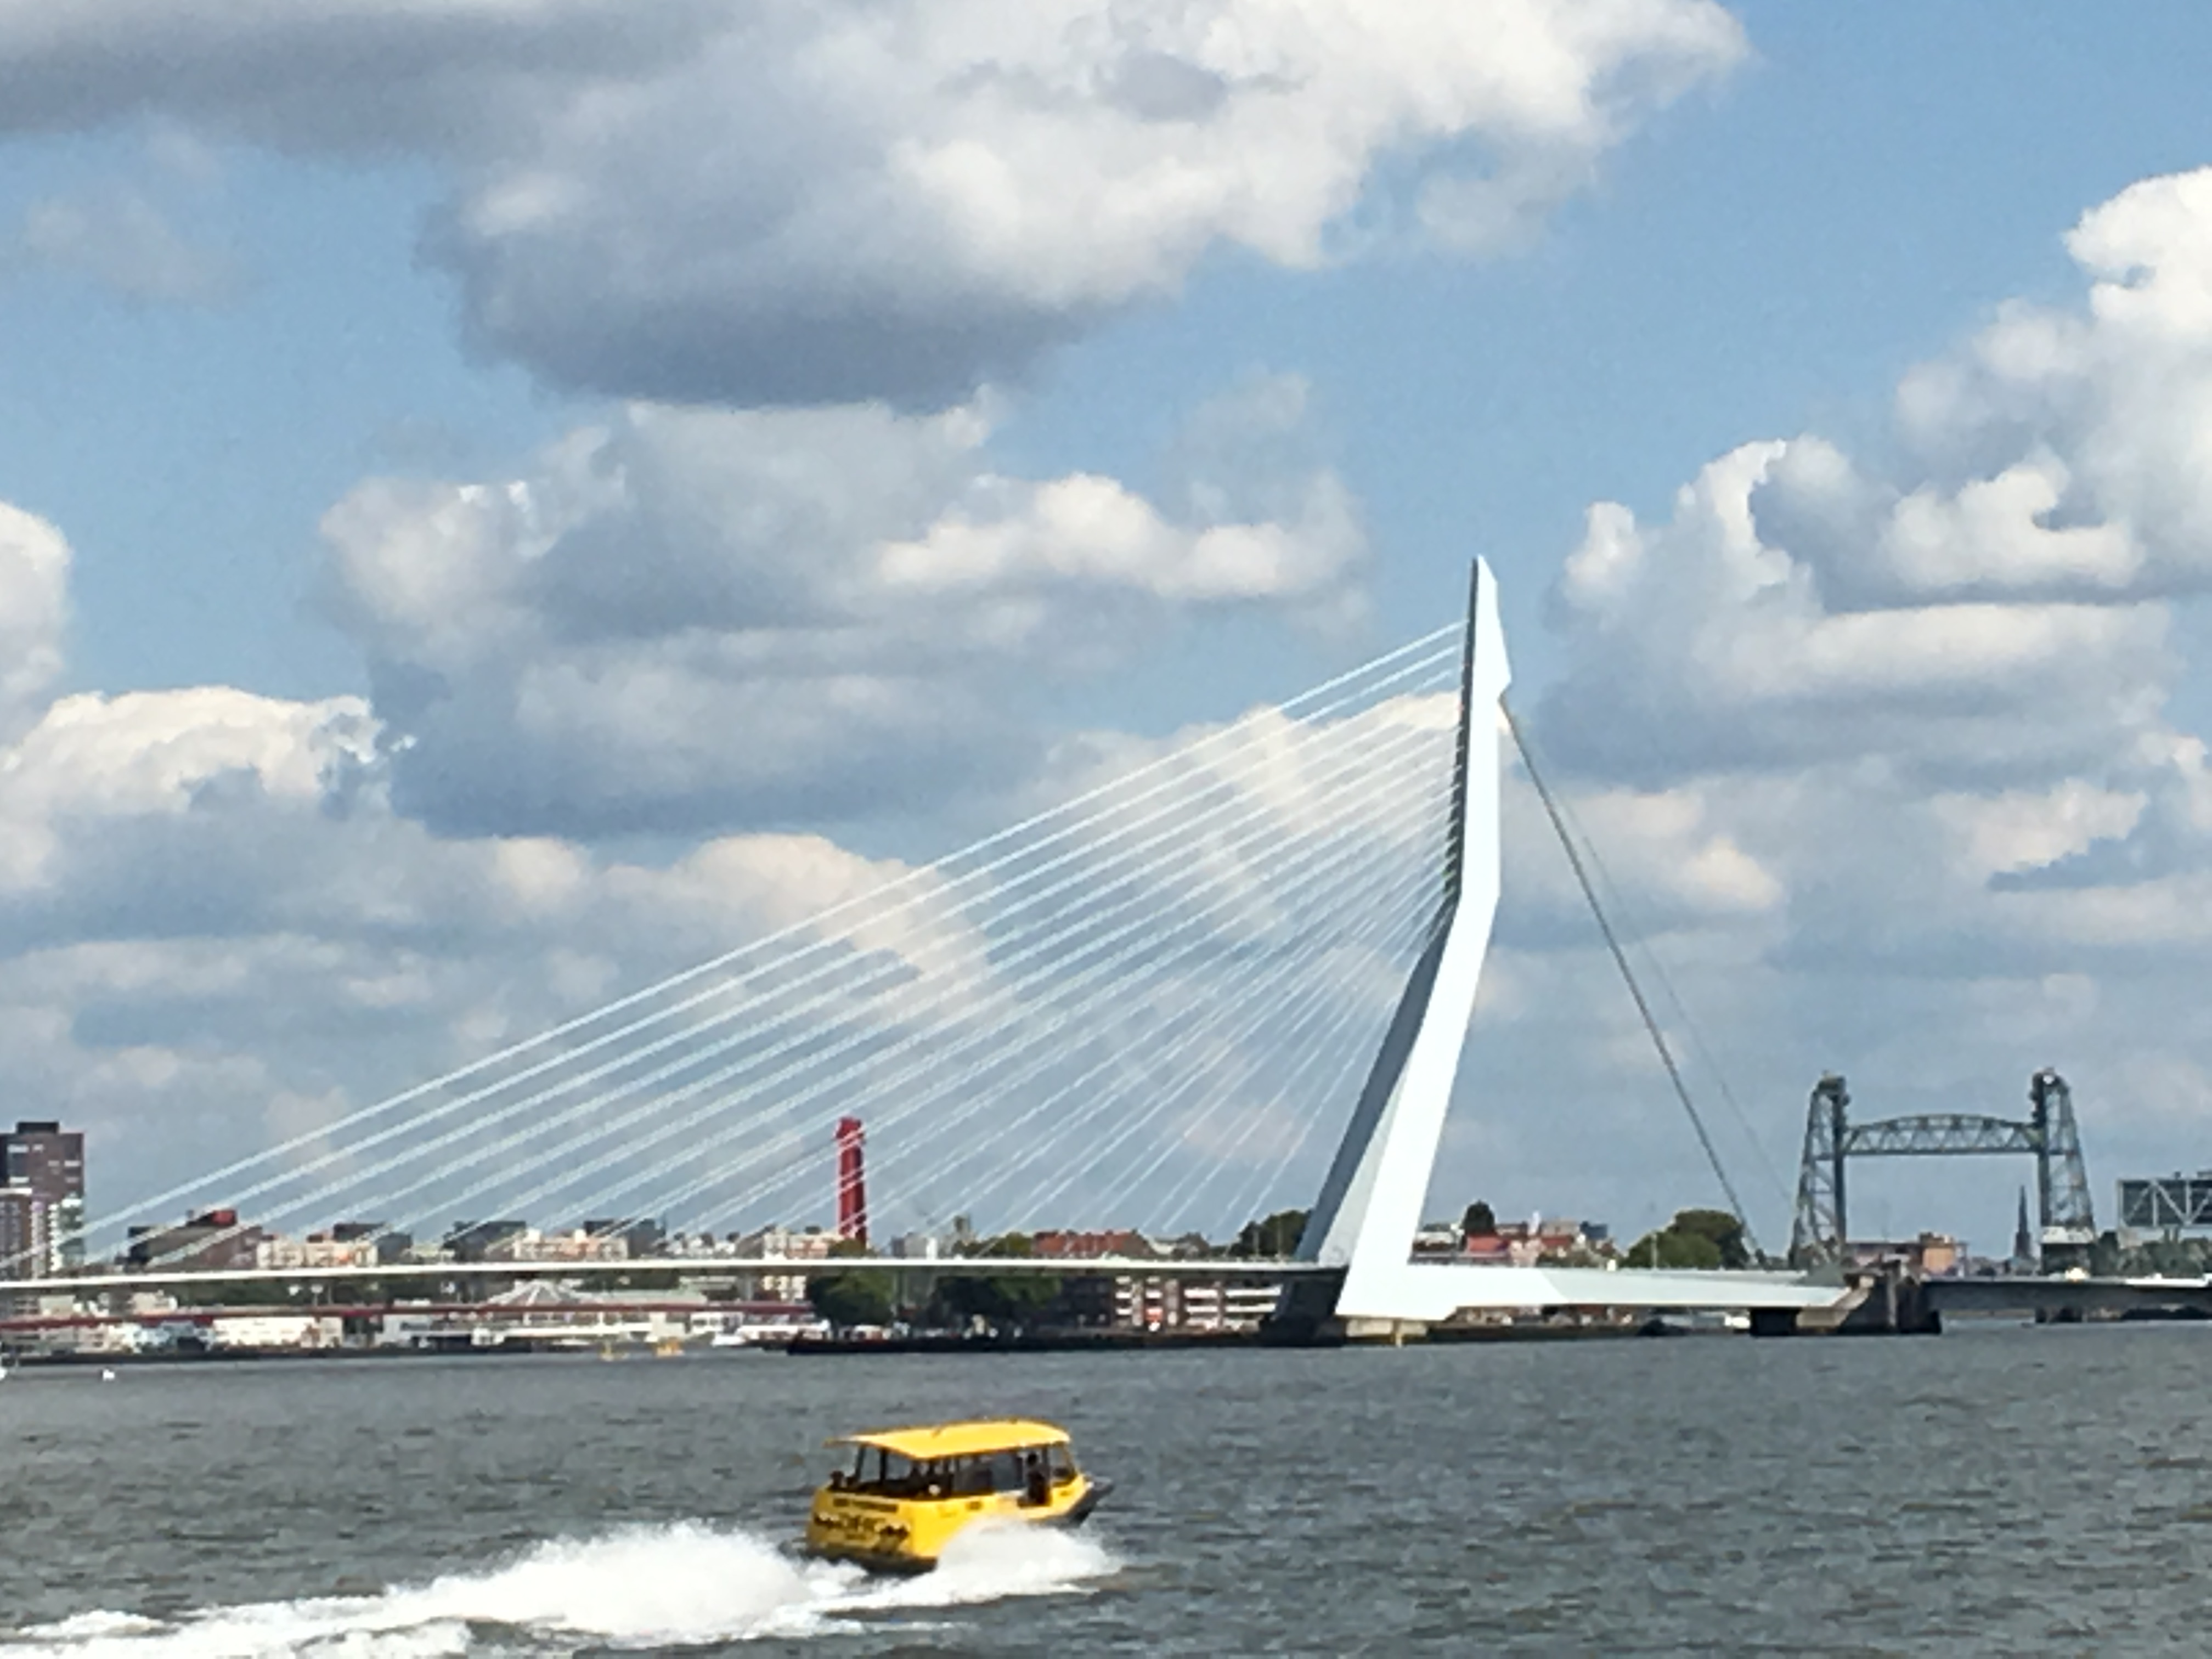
<point>1457,1284</point>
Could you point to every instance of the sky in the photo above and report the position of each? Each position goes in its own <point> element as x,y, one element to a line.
<point>447,440</point>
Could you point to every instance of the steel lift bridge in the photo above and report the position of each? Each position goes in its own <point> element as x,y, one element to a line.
<point>1135,1007</point>
<point>2048,1135</point>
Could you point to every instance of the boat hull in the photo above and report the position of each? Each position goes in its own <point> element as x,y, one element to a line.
<point>904,1537</point>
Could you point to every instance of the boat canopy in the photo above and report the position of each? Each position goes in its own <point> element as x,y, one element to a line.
<point>959,1439</point>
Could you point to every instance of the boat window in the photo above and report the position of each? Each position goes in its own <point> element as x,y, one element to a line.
<point>971,1477</point>
<point>1006,1471</point>
<point>885,1474</point>
<point>1060,1462</point>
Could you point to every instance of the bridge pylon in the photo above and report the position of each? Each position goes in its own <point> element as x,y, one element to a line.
<point>1368,1209</point>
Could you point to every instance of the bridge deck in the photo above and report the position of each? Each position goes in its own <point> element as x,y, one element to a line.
<point>1444,1287</point>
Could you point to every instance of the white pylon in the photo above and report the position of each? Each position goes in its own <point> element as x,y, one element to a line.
<point>1370,1207</point>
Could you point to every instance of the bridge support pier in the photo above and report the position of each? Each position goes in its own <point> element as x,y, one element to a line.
<point>1885,1302</point>
<point>1895,1305</point>
<point>1305,1317</point>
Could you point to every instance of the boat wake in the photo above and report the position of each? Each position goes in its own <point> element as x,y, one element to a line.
<point>640,1587</point>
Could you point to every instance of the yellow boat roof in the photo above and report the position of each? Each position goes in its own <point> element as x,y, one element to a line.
<point>959,1439</point>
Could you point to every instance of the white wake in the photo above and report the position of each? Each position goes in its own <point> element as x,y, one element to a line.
<point>639,1587</point>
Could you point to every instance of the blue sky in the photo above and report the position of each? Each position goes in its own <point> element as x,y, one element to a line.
<point>227,311</point>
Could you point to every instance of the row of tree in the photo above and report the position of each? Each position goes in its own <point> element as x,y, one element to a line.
<point>868,1296</point>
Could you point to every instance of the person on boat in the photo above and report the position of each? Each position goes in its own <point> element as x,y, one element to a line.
<point>1038,1484</point>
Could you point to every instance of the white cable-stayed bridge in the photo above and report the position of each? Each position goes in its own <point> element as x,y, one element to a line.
<point>1234,978</point>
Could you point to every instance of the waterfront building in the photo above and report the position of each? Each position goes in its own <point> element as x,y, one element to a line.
<point>586,1243</point>
<point>1192,1304</point>
<point>25,1243</point>
<point>1076,1246</point>
<point>390,1245</point>
<point>775,1243</point>
<point>1230,1305</point>
<point>213,1241</point>
<point>1931,1255</point>
<point>918,1247</point>
<point>1556,1240</point>
<point>276,1330</point>
<point>639,1236</point>
<point>483,1241</point>
<point>49,1160</point>
<point>1437,1238</point>
<point>317,1250</point>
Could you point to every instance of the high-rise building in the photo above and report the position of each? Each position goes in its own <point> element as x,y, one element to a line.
<point>852,1181</point>
<point>25,1244</point>
<point>48,1161</point>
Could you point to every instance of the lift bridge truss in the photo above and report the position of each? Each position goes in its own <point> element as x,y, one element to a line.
<point>2048,1136</point>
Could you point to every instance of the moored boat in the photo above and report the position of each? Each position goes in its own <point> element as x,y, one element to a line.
<point>906,1493</point>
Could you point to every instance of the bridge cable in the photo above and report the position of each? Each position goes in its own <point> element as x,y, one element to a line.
<point>1783,1191</point>
<point>1245,738</point>
<point>1306,1009</point>
<point>1234,732</point>
<point>1359,773</point>
<point>1105,990</point>
<point>1628,975</point>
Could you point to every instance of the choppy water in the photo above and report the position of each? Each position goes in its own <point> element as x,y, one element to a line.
<point>2013,1490</point>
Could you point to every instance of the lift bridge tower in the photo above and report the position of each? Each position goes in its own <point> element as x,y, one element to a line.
<point>2049,1135</point>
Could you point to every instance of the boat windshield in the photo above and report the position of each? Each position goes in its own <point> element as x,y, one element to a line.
<point>1029,1470</point>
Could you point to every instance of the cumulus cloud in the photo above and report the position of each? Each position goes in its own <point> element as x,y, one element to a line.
<point>903,201</point>
<point>1940,704</point>
<point>34,563</point>
<point>1700,645</point>
<point>2000,600</point>
<point>217,922</point>
<point>689,618</point>
<point>224,925</point>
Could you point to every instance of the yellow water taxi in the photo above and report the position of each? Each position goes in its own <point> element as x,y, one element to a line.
<point>908,1492</point>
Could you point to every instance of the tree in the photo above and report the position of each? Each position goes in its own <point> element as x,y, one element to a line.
<point>849,1300</point>
<point>1698,1239</point>
<point>1276,1236</point>
<point>995,1298</point>
<point>1666,1248</point>
<point>1481,1221</point>
<point>1725,1229</point>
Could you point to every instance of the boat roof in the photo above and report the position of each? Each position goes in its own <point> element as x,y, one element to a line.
<point>959,1439</point>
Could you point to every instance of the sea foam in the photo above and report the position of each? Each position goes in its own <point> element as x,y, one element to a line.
<point>676,1585</point>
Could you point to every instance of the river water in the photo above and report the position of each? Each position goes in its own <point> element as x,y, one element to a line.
<point>1997,1491</point>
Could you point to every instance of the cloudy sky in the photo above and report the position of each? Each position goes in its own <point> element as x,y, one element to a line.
<point>501,499</point>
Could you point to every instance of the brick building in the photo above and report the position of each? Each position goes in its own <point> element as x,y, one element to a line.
<point>48,1161</point>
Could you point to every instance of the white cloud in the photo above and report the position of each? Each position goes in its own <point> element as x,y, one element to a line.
<point>223,925</point>
<point>122,239</point>
<point>33,608</point>
<point>1940,707</point>
<point>904,199</point>
<point>691,618</point>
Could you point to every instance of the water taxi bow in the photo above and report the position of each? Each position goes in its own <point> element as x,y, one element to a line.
<point>909,1493</point>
